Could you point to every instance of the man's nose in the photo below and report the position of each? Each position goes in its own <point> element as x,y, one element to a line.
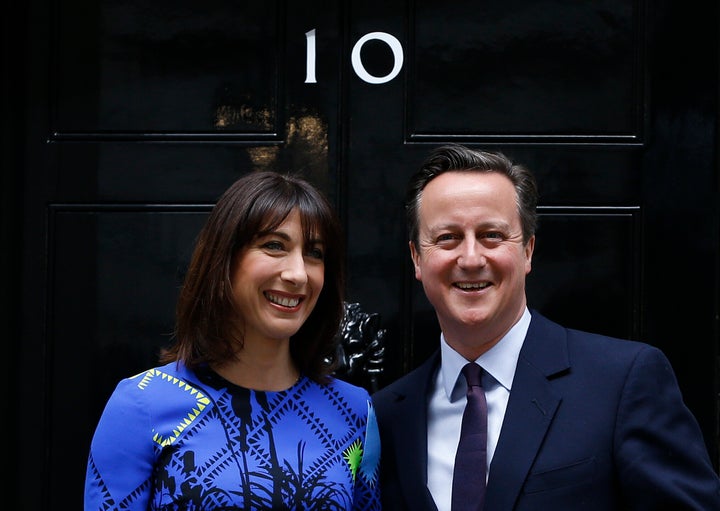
<point>472,254</point>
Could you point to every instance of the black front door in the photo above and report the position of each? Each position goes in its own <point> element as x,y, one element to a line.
<point>132,118</point>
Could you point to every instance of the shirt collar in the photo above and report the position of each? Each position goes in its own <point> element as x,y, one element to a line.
<point>499,361</point>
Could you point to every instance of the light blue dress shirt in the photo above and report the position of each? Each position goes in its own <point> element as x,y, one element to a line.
<point>447,403</point>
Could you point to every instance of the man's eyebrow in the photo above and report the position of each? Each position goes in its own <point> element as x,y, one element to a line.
<point>490,224</point>
<point>441,227</point>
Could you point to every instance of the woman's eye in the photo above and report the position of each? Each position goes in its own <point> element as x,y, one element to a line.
<point>273,245</point>
<point>317,253</point>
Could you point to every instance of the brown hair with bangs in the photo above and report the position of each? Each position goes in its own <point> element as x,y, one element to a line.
<point>206,314</point>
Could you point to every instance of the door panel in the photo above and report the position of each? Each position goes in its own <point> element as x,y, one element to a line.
<point>137,117</point>
<point>524,69</point>
<point>167,68</point>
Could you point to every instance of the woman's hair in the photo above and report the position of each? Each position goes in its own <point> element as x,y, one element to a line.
<point>458,158</point>
<point>206,315</point>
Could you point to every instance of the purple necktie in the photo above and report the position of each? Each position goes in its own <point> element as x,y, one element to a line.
<point>468,491</point>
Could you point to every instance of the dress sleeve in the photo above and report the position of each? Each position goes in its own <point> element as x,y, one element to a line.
<point>367,488</point>
<point>662,457</point>
<point>122,453</point>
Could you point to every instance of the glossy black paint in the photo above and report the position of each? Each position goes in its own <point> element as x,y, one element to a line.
<point>127,120</point>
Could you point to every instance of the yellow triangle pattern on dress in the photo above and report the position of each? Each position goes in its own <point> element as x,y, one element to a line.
<point>201,401</point>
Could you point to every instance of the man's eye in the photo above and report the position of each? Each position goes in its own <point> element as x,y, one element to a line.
<point>446,237</point>
<point>493,235</point>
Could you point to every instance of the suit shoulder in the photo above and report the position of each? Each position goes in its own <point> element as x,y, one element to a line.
<point>555,348</point>
<point>398,386</point>
<point>612,352</point>
<point>408,383</point>
<point>596,341</point>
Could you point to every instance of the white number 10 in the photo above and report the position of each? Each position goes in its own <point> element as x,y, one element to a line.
<point>356,60</point>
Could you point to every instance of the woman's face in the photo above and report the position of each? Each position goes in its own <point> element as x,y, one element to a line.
<point>276,282</point>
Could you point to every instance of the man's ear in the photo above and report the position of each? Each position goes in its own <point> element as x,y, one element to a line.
<point>415,256</point>
<point>529,248</point>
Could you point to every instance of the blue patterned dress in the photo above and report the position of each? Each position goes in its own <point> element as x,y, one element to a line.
<point>176,439</point>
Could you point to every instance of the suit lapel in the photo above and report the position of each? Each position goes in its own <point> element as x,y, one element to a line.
<point>410,438</point>
<point>530,411</point>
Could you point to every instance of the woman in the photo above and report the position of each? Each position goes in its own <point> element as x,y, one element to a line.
<point>244,413</point>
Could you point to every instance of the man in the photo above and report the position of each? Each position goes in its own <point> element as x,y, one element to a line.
<point>575,421</point>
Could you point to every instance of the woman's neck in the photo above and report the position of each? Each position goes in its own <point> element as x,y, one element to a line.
<point>263,368</point>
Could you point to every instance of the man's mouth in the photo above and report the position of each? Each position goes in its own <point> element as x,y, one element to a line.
<point>471,286</point>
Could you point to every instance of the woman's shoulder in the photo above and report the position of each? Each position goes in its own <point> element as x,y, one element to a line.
<point>348,390</point>
<point>173,379</point>
<point>172,370</point>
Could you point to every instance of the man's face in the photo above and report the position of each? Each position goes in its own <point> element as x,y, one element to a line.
<point>471,259</point>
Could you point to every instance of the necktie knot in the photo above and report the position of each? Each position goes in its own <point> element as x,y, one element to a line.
<point>473,374</point>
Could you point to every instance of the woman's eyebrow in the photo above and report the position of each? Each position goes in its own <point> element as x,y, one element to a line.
<point>278,233</point>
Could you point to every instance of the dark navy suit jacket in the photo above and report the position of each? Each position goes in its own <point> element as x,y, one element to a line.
<point>593,423</point>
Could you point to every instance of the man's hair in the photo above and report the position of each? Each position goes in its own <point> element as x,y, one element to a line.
<point>458,158</point>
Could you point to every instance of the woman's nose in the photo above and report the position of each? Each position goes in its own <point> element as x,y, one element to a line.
<point>294,270</point>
